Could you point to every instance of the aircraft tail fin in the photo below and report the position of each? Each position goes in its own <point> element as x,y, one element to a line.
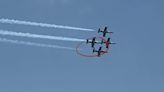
<point>87,41</point>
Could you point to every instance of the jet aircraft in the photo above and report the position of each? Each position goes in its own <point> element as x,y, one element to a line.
<point>105,31</point>
<point>107,42</point>
<point>99,51</point>
<point>93,41</point>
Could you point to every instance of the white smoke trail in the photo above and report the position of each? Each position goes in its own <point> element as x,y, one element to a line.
<point>34,44</point>
<point>10,33</point>
<point>12,21</point>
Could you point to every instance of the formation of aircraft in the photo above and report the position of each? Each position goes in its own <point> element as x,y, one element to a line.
<point>105,31</point>
<point>93,42</point>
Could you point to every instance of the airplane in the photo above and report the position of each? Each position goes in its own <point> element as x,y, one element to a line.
<point>105,31</point>
<point>99,51</point>
<point>107,42</point>
<point>93,41</point>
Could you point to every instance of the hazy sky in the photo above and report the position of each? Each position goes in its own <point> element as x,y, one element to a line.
<point>135,63</point>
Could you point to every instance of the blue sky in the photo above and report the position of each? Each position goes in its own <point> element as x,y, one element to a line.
<point>135,63</point>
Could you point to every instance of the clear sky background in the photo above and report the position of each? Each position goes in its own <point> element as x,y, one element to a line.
<point>135,63</point>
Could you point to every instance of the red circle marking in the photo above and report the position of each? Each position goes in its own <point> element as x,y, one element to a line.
<point>87,55</point>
